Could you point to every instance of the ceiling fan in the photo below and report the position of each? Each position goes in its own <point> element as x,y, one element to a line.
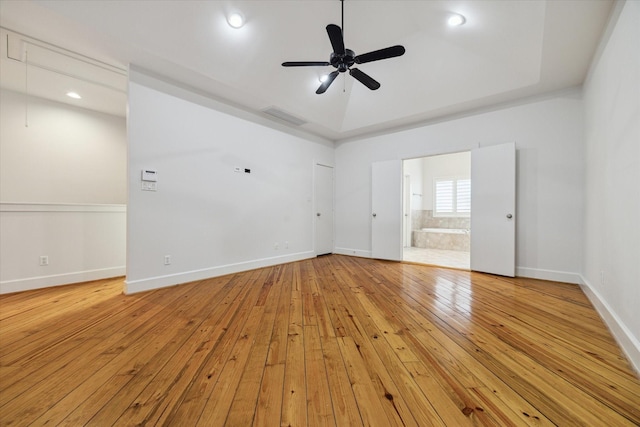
<point>343,59</point>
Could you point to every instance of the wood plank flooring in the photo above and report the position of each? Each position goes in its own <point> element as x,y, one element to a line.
<point>332,341</point>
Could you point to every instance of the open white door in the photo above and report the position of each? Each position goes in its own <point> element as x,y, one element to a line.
<point>323,196</point>
<point>493,203</point>
<point>386,212</point>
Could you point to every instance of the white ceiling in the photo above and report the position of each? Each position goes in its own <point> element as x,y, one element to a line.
<point>506,50</point>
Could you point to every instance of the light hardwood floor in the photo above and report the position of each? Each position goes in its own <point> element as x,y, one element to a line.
<point>329,341</point>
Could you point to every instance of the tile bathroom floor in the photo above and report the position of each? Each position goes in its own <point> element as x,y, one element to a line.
<point>441,257</point>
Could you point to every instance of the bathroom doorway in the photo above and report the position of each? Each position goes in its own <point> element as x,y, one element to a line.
<point>437,210</point>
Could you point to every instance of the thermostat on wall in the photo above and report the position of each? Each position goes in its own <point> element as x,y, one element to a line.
<point>149,175</point>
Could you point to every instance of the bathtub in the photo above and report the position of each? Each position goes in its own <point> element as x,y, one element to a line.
<point>453,239</point>
<point>446,230</point>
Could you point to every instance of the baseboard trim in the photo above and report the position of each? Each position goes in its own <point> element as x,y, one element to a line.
<point>625,339</point>
<point>31,283</point>
<point>352,252</point>
<point>142,285</point>
<point>552,275</point>
<point>61,207</point>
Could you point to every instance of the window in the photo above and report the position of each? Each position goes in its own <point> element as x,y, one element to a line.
<point>452,196</point>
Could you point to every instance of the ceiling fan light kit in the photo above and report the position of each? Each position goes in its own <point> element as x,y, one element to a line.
<point>456,20</point>
<point>343,59</point>
<point>235,20</point>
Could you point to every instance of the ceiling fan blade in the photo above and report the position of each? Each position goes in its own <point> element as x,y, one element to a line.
<point>325,85</point>
<point>376,55</point>
<point>364,78</point>
<point>335,36</point>
<point>305,64</point>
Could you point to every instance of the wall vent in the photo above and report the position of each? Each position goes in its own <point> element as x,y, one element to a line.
<point>284,116</point>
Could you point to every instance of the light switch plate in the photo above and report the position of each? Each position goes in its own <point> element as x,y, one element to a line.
<point>149,186</point>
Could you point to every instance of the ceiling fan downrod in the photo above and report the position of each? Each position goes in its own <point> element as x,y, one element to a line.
<point>342,18</point>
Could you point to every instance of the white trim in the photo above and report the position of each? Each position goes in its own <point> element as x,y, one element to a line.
<point>134,286</point>
<point>30,283</point>
<point>623,336</point>
<point>553,275</point>
<point>59,207</point>
<point>352,252</point>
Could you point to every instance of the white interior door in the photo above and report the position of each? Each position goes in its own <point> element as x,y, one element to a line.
<point>493,203</point>
<point>386,212</point>
<point>323,195</point>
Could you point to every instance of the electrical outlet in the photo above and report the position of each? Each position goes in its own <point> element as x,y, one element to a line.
<point>276,246</point>
<point>167,259</point>
<point>286,245</point>
<point>44,260</point>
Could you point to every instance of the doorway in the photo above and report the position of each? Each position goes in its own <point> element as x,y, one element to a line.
<point>437,210</point>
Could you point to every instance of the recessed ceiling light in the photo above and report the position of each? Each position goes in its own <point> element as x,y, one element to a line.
<point>456,20</point>
<point>236,20</point>
<point>73,95</point>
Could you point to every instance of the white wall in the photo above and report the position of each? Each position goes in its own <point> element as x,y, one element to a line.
<point>550,171</point>
<point>611,269</point>
<point>208,218</point>
<point>413,168</point>
<point>82,243</point>
<point>62,189</point>
<point>65,155</point>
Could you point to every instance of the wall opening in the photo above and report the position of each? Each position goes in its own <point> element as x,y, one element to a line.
<point>437,210</point>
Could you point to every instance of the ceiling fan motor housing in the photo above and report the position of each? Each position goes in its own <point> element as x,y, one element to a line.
<point>342,61</point>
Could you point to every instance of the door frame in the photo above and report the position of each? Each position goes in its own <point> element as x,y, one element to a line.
<point>314,206</point>
<point>406,209</point>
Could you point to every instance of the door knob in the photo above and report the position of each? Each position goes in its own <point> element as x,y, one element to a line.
<point>509,216</point>
<point>318,214</point>
<point>374,215</point>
